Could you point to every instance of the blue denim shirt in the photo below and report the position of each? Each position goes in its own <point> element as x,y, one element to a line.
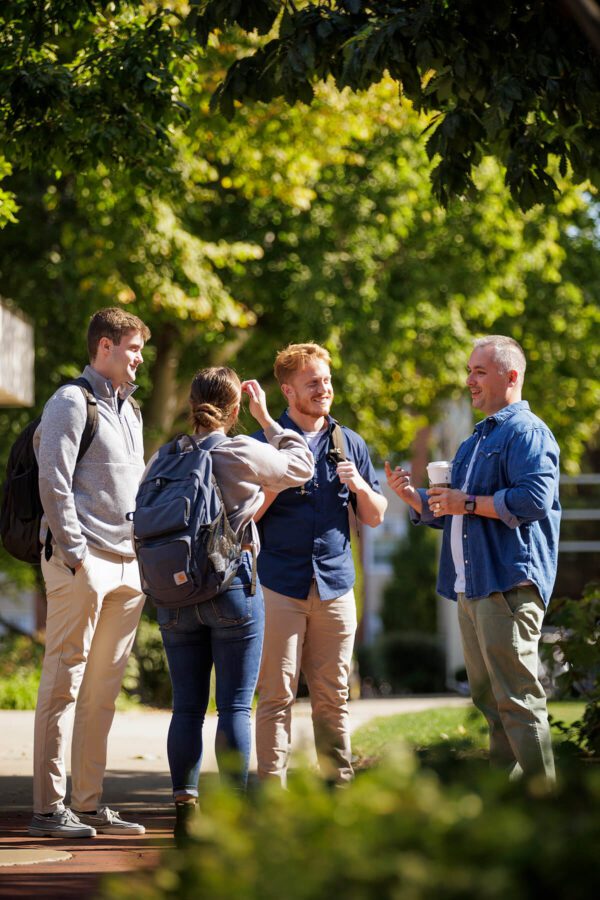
<point>517,464</point>
<point>306,530</point>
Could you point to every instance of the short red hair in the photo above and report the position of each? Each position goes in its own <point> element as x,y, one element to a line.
<point>297,356</point>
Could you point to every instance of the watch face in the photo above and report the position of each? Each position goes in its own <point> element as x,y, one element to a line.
<point>470,506</point>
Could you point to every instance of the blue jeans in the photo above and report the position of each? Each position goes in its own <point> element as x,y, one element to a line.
<point>226,632</point>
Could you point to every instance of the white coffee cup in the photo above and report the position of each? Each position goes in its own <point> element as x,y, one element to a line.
<point>439,473</point>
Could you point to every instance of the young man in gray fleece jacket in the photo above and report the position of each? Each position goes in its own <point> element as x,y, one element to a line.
<point>92,579</point>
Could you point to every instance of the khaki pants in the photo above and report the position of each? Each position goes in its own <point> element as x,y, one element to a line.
<point>500,636</point>
<point>316,637</point>
<point>90,629</point>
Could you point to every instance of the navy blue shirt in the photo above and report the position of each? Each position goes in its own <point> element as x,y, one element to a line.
<point>517,463</point>
<point>306,531</point>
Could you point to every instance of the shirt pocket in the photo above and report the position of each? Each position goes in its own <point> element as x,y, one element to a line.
<point>487,477</point>
<point>459,467</point>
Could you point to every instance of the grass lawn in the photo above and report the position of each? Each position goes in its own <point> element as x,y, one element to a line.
<point>462,730</point>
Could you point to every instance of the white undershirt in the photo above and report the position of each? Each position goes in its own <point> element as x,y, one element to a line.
<point>312,438</point>
<point>456,531</point>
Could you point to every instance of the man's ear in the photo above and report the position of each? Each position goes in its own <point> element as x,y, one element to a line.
<point>513,378</point>
<point>287,390</point>
<point>104,345</point>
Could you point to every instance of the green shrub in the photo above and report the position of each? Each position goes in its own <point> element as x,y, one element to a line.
<point>404,663</point>
<point>19,653</point>
<point>409,598</point>
<point>578,622</point>
<point>19,691</point>
<point>20,668</point>
<point>396,833</point>
<point>146,677</point>
<point>147,674</point>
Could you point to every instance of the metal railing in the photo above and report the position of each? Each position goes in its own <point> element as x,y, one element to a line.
<point>580,515</point>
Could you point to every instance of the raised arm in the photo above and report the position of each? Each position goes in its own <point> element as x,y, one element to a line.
<point>357,472</point>
<point>370,505</point>
<point>286,460</point>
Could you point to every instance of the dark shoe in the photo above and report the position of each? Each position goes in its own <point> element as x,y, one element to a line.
<point>184,814</point>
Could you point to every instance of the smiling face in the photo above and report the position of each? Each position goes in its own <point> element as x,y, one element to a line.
<point>119,362</point>
<point>491,388</point>
<point>309,391</point>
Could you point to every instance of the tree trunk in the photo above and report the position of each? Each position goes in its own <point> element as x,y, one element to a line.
<point>161,408</point>
<point>169,398</point>
<point>419,456</point>
<point>40,610</point>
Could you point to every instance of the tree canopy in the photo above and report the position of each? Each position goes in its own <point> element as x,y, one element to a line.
<point>519,81</point>
<point>89,80</point>
<point>84,81</point>
<point>289,222</point>
<point>292,223</point>
<point>295,224</point>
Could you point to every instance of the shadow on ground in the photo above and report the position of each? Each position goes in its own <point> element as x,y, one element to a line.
<point>122,789</point>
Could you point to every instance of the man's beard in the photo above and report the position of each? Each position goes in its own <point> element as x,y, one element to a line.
<point>306,409</point>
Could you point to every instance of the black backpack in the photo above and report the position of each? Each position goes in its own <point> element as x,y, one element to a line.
<point>21,512</point>
<point>186,549</point>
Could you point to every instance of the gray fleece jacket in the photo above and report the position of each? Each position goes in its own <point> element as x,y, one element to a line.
<point>87,503</point>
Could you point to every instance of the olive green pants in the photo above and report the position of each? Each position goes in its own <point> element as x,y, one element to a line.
<point>500,637</point>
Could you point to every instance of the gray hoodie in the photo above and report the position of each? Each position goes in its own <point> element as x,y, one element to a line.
<point>87,503</point>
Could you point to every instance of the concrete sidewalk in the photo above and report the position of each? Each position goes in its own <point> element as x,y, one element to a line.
<point>138,784</point>
<point>138,770</point>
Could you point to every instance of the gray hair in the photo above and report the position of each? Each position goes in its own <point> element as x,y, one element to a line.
<point>508,353</point>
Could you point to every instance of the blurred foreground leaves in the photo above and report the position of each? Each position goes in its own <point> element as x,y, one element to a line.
<point>397,832</point>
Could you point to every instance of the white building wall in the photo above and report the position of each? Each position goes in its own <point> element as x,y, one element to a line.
<point>16,358</point>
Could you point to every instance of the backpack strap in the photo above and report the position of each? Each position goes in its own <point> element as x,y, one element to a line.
<point>337,454</point>
<point>213,440</point>
<point>87,436</point>
<point>209,443</point>
<point>337,447</point>
<point>91,422</point>
<point>177,445</point>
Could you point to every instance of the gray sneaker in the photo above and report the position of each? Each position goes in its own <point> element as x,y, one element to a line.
<point>107,821</point>
<point>61,824</point>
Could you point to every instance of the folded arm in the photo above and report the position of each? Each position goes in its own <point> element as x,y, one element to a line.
<point>533,469</point>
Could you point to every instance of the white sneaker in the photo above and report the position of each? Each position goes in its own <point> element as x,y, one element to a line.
<point>61,824</point>
<point>107,821</point>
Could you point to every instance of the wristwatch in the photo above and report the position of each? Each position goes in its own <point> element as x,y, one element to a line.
<point>470,504</point>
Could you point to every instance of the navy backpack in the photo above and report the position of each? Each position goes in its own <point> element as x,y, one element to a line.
<point>186,549</point>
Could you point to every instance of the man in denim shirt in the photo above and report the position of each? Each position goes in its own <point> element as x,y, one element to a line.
<point>500,521</point>
<point>306,570</point>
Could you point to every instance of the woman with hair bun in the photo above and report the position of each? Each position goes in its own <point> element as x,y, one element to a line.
<point>225,632</point>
